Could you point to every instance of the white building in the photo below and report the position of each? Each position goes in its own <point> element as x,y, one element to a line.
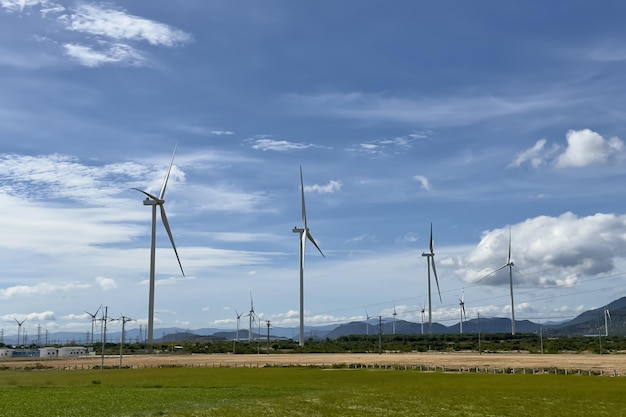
<point>48,352</point>
<point>6,352</point>
<point>74,351</point>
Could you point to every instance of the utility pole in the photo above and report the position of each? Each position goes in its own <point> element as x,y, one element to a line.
<point>380,335</point>
<point>268,337</point>
<point>104,335</point>
<point>124,320</point>
<point>480,352</point>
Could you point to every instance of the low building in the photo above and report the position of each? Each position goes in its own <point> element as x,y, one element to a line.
<point>6,352</point>
<point>74,351</point>
<point>48,352</point>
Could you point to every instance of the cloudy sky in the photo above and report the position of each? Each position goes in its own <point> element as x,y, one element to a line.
<point>479,118</point>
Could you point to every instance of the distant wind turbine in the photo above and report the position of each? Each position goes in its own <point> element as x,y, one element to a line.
<point>93,320</point>
<point>509,264</point>
<point>394,317</point>
<point>462,310</point>
<point>19,328</point>
<point>238,319</point>
<point>430,258</point>
<point>304,235</point>
<point>154,201</point>
<point>607,319</point>
<point>423,311</point>
<point>367,323</point>
<point>252,316</point>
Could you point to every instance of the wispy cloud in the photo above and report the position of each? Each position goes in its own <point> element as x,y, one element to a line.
<point>104,33</point>
<point>267,144</point>
<point>423,182</point>
<point>43,288</point>
<point>435,112</point>
<point>332,187</point>
<point>388,146</point>
<point>584,148</point>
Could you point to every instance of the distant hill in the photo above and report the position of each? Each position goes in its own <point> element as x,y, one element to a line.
<point>588,323</point>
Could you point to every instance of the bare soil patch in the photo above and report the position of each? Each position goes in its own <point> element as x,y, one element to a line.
<point>613,364</point>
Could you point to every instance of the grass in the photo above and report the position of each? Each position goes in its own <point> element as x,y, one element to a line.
<point>187,392</point>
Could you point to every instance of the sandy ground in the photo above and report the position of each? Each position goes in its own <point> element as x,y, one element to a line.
<point>614,364</point>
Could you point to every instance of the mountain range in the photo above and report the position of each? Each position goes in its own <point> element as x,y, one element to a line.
<point>588,323</point>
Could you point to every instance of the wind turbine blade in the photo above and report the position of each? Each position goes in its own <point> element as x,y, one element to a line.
<point>431,239</point>
<point>432,262</point>
<point>313,240</point>
<point>169,233</point>
<point>148,194</point>
<point>303,205</point>
<point>491,273</point>
<point>167,176</point>
<point>509,260</point>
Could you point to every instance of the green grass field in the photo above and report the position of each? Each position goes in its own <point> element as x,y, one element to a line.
<point>303,392</point>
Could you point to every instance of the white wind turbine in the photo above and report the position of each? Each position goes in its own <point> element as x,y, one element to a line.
<point>430,258</point>
<point>607,319</point>
<point>423,311</point>
<point>93,320</point>
<point>19,328</point>
<point>394,317</point>
<point>154,201</point>
<point>367,323</point>
<point>238,320</point>
<point>509,264</point>
<point>304,235</point>
<point>252,316</point>
<point>462,311</point>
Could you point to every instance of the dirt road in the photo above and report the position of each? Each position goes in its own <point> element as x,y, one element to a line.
<point>614,364</point>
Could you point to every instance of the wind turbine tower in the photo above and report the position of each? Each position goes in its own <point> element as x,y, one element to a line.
<point>462,311</point>
<point>607,319</point>
<point>304,235</point>
<point>430,258</point>
<point>423,311</point>
<point>154,201</point>
<point>238,319</point>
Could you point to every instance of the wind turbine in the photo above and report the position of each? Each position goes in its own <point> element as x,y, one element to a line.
<point>19,328</point>
<point>430,258</point>
<point>394,317</point>
<point>367,323</point>
<point>93,320</point>
<point>607,319</point>
<point>238,319</point>
<point>423,311</point>
<point>252,316</point>
<point>154,201</point>
<point>304,235</point>
<point>462,310</point>
<point>509,264</point>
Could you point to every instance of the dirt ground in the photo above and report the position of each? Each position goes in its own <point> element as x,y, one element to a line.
<point>613,364</point>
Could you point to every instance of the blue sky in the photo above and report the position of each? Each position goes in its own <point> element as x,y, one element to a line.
<point>474,117</point>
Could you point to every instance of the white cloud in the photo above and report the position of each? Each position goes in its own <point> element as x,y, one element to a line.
<point>585,147</point>
<point>119,25</point>
<point>424,182</point>
<point>331,187</point>
<point>107,54</point>
<point>264,144</point>
<point>19,5</point>
<point>43,316</point>
<point>102,33</point>
<point>106,283</point>
<point>535,155</point>
<point>548,251</point>
<point>40,289</point>
<point>388,146</point>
